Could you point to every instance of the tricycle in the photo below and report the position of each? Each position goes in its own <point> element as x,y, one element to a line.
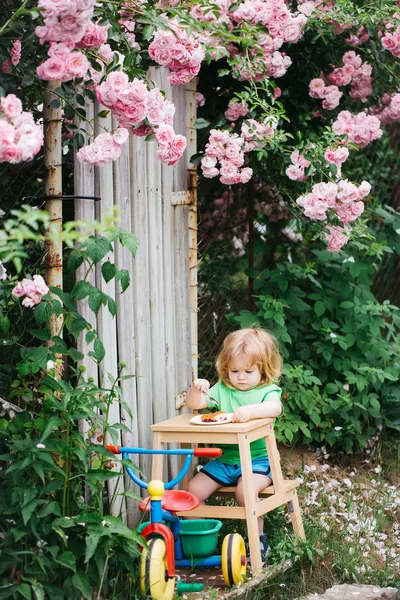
<point>173,542</point>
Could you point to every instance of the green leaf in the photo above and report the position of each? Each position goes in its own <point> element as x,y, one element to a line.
<point>101,475</point>
<point>79,140</point>
<point>90,336</point>
<point>51,508</point>
<point>81,581</point>
<point>28,510</point>
<point>92,542</point>
<point>97,248</point>
<point>98,350</point>
<point>41,334</point>
<point>5,324</point>
<point>201,123</point>
<point>43,312</point>
<point>319,308</point>
<point>124,277</point>
<point>331,388</point>
<point>67,559</point>
<point>77,325</point>
<point>74,262</point>
<point>75,354</point>
<point>96,299</point>
<point>38,591</point>
<point>82,289</point>
<point>103,114</point>
<point>53,423</point>
<point>129,240</point>
<point>25,591</point>
<point>112,306</point>
<point>108,271</point>
<point>346,304</point>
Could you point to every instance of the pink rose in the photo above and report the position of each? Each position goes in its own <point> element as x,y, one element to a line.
<point>164,135</point>
<point>117,80</point>
<point>77,64</point>
<point>40,284</point>
<point>120,136</point>
<point>51,69</point>
<point>336,238</point>
<point>11,106</point>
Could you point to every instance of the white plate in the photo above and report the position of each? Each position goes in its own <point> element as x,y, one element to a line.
<point>196,420</point>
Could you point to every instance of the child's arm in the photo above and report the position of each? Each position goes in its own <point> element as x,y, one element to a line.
<point>272,408</point>
<point>196,396</point>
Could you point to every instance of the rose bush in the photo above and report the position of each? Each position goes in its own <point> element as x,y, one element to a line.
<point>248,47</point>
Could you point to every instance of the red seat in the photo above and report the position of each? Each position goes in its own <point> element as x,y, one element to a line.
<point>174,501</point>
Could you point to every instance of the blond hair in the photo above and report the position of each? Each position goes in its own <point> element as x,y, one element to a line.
<point>258,347</point>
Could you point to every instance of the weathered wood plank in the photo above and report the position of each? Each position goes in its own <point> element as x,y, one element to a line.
<point>84,210</point>
<point>107,327</point>
<point>125,321</point>
<point>141,295</point>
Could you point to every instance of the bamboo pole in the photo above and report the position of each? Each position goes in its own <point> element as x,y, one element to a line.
<point>53,193</point>
<point>190,93</point>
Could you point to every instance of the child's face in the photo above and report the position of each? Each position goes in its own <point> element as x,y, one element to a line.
<point>244,376</point>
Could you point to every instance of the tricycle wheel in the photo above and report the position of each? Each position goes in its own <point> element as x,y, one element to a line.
<point>233,559</point>
<point>154,580</point>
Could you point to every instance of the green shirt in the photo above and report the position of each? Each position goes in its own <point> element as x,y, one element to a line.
<point>229,399</point>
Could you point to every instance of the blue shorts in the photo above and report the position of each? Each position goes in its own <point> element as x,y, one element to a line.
<point>230,474</point>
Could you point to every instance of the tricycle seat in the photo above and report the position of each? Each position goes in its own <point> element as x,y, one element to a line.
<point>173,501</point>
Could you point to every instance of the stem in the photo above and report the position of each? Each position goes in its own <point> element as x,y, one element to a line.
<point>13,16</point>
<point>66,471</point>
<point>102,577</point>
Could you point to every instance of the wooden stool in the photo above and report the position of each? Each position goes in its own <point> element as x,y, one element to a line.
<point>180,430</point>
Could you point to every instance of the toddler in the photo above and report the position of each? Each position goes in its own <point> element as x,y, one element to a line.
<point>248,366</point>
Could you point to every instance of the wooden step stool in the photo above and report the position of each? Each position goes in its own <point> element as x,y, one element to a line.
<point>180,430</point>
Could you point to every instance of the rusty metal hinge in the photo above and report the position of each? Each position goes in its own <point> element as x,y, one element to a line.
<point>182,198</point>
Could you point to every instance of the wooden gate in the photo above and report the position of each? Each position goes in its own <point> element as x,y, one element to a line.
<point>155,329</point>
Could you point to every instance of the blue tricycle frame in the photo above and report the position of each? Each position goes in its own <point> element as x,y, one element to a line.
<point>164,533</point>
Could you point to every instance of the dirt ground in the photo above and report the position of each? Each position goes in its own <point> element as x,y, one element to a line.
<point>293,462</point>
<point>214,585</point>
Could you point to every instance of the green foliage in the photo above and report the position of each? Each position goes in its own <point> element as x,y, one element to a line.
<point>56,538</point>
<point>340,345</point>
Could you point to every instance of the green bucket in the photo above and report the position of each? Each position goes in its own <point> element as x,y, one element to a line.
<point>199,537</point>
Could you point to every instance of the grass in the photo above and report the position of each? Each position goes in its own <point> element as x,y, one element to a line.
<point>351,513</point>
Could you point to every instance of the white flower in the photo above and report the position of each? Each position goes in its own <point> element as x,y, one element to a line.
<point>104,523</point>
<point>347,482</point>
<point>333,335</point>
<point>40,446</point>
<point>346,387</point>
<point>378,469</point>
<point>338,428</point>
<point>49,365</point>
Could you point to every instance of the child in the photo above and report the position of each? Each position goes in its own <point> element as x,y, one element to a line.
<point>248,366</point>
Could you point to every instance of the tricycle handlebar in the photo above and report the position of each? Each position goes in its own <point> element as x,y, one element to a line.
<point>210,452</point>
<point>188,452</point>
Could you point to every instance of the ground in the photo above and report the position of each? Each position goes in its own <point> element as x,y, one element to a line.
<point>347,479</point>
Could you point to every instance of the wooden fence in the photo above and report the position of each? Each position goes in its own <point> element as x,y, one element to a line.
<point>155,330</point>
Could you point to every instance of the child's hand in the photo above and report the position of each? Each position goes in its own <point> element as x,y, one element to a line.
<point>202,385</point>
<point>241,415</point>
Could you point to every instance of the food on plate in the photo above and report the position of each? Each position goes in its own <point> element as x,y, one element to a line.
<point>215,417</point>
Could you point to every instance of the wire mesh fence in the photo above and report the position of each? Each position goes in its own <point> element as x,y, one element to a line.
<point>234,224</point>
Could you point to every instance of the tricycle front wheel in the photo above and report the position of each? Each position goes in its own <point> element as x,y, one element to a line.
<point>233,559</point>
<point>154,580</point>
